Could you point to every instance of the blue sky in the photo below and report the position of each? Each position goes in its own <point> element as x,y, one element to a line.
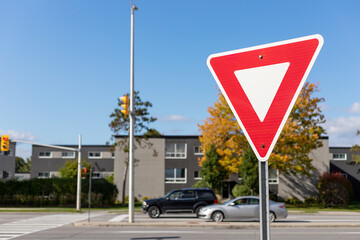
<point>64,63</point>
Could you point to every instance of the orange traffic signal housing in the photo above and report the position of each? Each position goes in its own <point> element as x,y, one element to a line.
<point>5,143</point>
<point>125,105</point>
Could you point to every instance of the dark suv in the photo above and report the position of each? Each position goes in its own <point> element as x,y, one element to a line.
<point>187,200</point>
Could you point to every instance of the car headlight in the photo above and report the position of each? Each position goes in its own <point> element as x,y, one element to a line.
<point>204,209</point>
<point>144,203</point>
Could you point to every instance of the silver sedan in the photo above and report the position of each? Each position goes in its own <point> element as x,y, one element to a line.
<point>241,209</point>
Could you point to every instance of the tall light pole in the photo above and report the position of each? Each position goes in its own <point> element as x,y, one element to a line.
<point>78,190</point>
<point>132,119</point>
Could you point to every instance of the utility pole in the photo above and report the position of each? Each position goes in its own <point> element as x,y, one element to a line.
<point>132,119</point>
<point>78,190</point>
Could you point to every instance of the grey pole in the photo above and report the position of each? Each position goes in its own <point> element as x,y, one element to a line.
<point>132,120</point>
<point>89,196</point>
<point>264,200</point>
<point>78,192</point>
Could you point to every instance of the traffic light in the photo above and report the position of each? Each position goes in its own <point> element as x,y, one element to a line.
<point>125,105</point>
<point>5,143</point>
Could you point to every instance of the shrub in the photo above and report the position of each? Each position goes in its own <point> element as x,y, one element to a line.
<point>201,184</point>
<point>293,200</point>
<point>335,189</point>
<point>311,200</point>
<point>55,192</point>
<point>240,190</point>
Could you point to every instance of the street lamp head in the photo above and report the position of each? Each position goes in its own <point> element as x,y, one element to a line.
<point>135,7</point>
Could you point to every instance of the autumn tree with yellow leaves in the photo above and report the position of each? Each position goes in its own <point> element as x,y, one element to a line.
<point>300,135</point>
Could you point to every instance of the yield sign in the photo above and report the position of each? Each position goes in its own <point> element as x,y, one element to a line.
<point>261,85</point>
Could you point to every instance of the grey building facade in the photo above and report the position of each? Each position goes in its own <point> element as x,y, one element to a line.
<point>7,162</point>
<point>47,161</point>
<point>176,166</point>
<point>300,186</point>
<point>341,161</point>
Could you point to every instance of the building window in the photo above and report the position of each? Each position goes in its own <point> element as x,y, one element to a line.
<point>339,156</point>
<point>175,150</point>
<point>273,176</point>
<point>7,153</point>
<point>197,175</point>
<point>45,154</point>
<point>43,174</point>
<point>197,150</point>
<point>96,175</point>
<point>94,154</point>
<point>68,154</point>
<point>175,175</point>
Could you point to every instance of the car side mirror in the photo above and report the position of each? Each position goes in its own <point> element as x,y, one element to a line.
<point>167,199</point>
<point>232,204</point>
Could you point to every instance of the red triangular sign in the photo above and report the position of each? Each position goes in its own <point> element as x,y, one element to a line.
<point>261,85</point>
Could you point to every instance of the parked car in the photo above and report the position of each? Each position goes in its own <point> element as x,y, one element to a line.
<point>241,208</point>
<point>187,200</point>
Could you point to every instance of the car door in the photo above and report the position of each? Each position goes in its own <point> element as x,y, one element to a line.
<point>188,200</point>
<point>253,208</point>
<point>173,201</point>
<point>237,209</point>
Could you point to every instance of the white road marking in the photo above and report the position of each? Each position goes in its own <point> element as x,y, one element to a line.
<point>157,232</point>
<point>31,225</point>
<point>119,218</point>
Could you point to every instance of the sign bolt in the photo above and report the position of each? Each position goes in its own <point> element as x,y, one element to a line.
<point>260,56</point>
<point>262,145</point>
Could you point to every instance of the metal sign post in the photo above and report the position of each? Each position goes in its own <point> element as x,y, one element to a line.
<point>264,200</point>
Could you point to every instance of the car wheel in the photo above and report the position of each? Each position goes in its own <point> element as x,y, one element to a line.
<point>271,216</point>
<point>154,212</point>
<point>217,216</point>
<point>197,210</point>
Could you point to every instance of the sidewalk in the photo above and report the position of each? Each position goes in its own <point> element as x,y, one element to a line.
<point>282,223</point>
<point>229,225</point>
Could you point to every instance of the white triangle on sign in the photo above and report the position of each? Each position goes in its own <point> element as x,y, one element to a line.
<point>261,84</point>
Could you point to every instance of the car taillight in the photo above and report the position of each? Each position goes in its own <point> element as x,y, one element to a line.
<point>282,206</point>
<point>215,201</point>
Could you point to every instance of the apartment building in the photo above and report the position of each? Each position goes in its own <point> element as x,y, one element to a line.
<point>7,162</point>
<point>175,166</point>
<point>47,161</point>
<point>341,161</point>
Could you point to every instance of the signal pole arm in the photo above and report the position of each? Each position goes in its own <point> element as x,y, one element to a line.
<point>46,145</point>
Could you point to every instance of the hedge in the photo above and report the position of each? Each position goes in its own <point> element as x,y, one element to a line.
<point>335,189</point>
<point>53,192</point>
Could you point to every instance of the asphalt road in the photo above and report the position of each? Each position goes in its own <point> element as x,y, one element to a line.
<point>135,233</point>
<point>104,225</point>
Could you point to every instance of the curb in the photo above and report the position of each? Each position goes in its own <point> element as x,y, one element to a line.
<point>228,225</point>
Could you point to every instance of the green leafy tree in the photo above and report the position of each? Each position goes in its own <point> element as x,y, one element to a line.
<point>249,172</point>
<point>356,152</point>
<point>69,170</point>
<point>300,135</point>
<point>22,166</point>
<point>212,172</point>
<point>120,125</point>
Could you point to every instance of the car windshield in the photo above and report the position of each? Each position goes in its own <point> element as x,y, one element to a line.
<point>168,194</point>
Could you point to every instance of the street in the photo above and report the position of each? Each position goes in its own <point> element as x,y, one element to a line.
<point>60,226</point>
<point>132,233</point>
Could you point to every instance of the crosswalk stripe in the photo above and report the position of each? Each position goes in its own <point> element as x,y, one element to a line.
<point>36,224</point>
<point>119,218</point>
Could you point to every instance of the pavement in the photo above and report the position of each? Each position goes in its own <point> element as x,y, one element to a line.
<point>283,223</point>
